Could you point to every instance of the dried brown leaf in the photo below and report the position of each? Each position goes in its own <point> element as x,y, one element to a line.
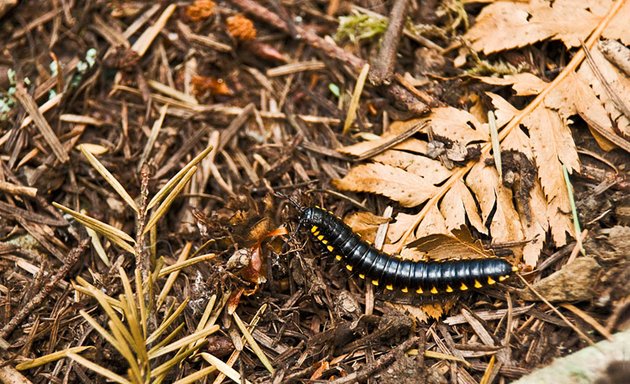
<point>506,25</point>
<point>399,185</point>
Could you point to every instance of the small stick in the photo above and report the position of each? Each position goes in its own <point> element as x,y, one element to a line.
<point>383,66</point>
<point>68,264</point>
<point>378,364</point>
<point>402,96</point>
<point>564,318</point>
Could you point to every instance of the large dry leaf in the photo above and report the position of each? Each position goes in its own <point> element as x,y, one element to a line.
<point>457,125</point>
<point>496,200</point>
<point>431,170</point>
<point>405,187</point>
<point>618,82</point>
<point>459,203</point>
<point>506,25</point>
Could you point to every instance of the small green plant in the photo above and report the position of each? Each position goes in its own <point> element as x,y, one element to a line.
<point>359,26</point>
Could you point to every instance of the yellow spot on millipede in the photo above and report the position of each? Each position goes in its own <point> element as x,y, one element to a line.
<point>324,241</point>
<point>404,290</point>
<point>389,287</point>
<point>478,284</point>
<point>330,248</point>
<point>503,278</point>
<point>349,267</point>
<point>361,275</point>
<point>433,290</point>
<point>375,282</point>
<point>491,280</point>
<point>316,233</point>
<point>338,257</point>
<point>449,289</point>
<point>314,229</point>
<point>419,291</point>
<point>463,287</point>
<point>320,237</point>
<point>514,268</point>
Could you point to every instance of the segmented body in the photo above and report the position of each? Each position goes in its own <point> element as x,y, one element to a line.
<point>428,278</point>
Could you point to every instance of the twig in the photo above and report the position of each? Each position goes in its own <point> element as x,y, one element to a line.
<point>68,264</point>
<point>569,323</point>
<point>383,66</point>
<point>378,364</point>
<point>402,96</point>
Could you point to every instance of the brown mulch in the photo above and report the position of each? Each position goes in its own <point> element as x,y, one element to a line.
<point>256,80</point>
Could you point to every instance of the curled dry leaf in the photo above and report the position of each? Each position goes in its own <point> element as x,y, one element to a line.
<point>200,10</point>
<point>241,28</point>
<point>506,25</point>
<point>204,85</point>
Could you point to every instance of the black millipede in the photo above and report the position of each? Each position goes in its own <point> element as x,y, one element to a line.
<point>423,277</point>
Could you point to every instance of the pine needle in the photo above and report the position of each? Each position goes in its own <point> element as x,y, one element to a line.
<point>224,368</point>
<point>100,168</point>
<point>253,344</point>
<point>163,208</point>
<point>115,235</point>
<point>166,288</point>
<point>153,353</point>
<point>186,263</point>
<point>356,96</point>
<point>167,322</point>
<point>98,369</point>
<point>192,378</point>
<point>175,179</point>
<point>34,363</point>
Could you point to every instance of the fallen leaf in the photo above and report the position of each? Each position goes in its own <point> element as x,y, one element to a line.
<point>506,25</point>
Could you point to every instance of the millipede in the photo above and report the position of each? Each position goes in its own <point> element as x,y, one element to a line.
<point>423,277</point>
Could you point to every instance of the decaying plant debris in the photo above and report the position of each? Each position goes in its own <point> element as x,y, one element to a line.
<point>152,156</point>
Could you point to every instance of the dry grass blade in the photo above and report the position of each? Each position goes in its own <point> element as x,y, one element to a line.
<point>224,368</point>
<point>167,322</point>
<point>153,353</point>
<point>356,96</point>
<point>98,369</point>
<point>186,263</point>
<point>253,344</point>
<point>100,168</point>
<point>163,208</point>
<point>576,219</point>
<point>49,358</point>
<point>192,378</point>
<point>175,179</point>
<point>115,235</point>
<point>496,146</point>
